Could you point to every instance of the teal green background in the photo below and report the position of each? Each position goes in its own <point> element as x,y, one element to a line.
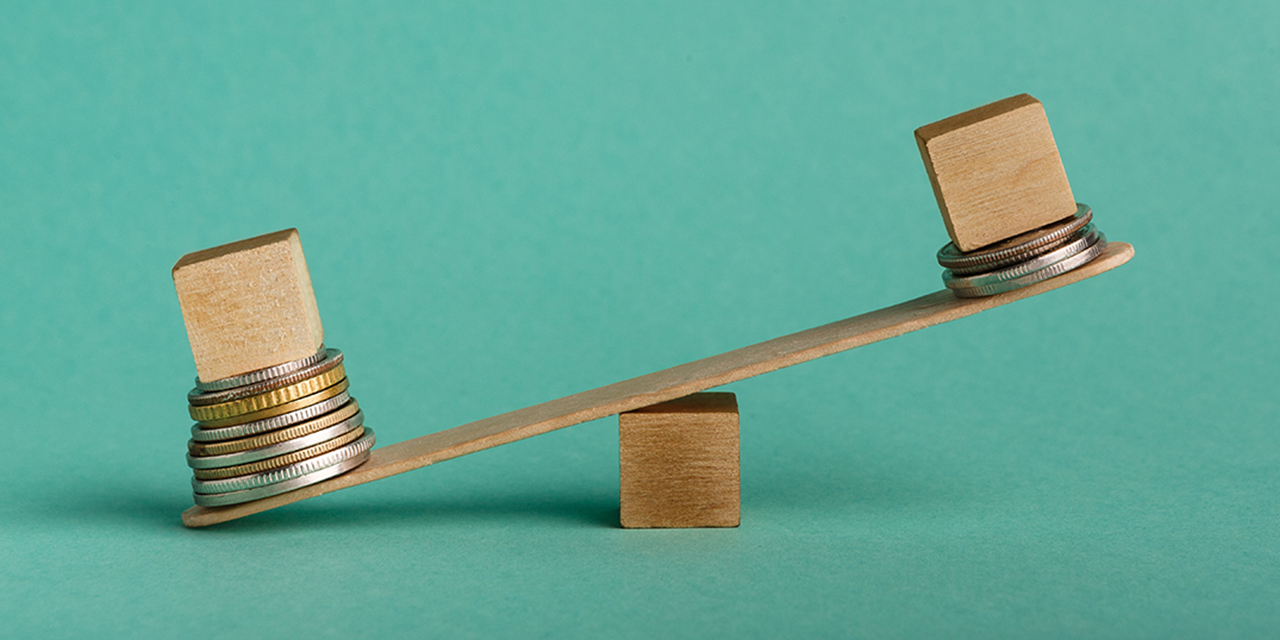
<point>502,204</point>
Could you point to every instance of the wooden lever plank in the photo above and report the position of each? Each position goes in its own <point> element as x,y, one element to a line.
<point>662,386</point>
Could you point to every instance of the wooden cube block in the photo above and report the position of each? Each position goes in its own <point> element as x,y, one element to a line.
<point>248,305</point>
<point>680,463</point>
<point>995,171</point>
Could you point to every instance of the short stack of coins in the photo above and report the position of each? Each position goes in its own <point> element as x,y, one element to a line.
<point>1024,259</point>
<point>274,430</point>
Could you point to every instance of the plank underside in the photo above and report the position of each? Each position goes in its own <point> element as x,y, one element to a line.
<point>662,386</point>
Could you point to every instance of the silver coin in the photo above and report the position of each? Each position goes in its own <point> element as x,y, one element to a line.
<point>201,434</point>
<point>1017,247</point>
<point>246,495</point>
<point>330,359</point>
<point>277,449</point>
<point>1057,269</point>
<point>255,480</point>
<point>1088,236</point>
<point>259,375</point>
<point>1014,259</point>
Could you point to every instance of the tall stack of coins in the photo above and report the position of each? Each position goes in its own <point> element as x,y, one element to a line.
<point>274,430</point>
<point>272,407</point>
<point>1024,259</point>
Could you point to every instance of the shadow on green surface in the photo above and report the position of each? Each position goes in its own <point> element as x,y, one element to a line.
<point>524,509</point>
<point>133,508</point>
<point>825,486</point>
<point>828,489</point>
<point>110,506</point>
<point>781,494</point>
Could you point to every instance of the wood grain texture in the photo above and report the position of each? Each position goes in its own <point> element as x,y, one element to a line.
<point>995,171</point>
<point>248,305</point>
<point>679,463</point>
<point>661,386</point>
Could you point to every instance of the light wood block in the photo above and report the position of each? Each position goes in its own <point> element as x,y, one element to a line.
<point>661,386</point>
<point>248,305</point>
<point>679,462</point>
<point>995,171</point>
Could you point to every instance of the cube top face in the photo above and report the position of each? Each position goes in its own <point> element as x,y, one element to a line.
<point>248,305</point>
<point>704,402</point>
<point>995,171</point>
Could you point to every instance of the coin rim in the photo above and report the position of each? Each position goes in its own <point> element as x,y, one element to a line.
<point>964,260</point>
<point>1067,264</point>
<point>1011,260</point>
<point>259,375</point>
<point>286,473</point>
<point>273,398</point>
<point>219,434</point>
<point>283,460</point>
<point>213,500</point>
<point>1088,238</point>
<point>277,448</point>
<point>305,401</point>
<point>343,413</point>
<point>331,359</point>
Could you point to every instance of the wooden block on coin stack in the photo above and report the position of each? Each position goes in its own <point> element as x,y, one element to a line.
<point>248,305</point>
<point>273,409</point>
<point>679,463</point>
<point>995,171</point>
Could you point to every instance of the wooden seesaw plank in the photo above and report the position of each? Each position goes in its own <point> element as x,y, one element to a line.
<point>662,386</point>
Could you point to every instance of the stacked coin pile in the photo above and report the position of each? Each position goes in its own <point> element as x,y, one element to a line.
<point>274,430</point>
<point>1024,259</point>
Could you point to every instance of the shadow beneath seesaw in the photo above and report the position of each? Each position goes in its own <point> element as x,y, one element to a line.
<point>822,484</point>
<point>833,492</point>
<point>136,508</point>
<point>524,509</point>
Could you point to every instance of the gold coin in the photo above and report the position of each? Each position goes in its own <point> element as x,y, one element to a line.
<point>271,464</point>
<point>331,359</point>
<point>300,403</point>
<point>274,437</point>
<point>272,398</point>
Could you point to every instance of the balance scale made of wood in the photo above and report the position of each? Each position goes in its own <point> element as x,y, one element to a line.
<point>995,171</point>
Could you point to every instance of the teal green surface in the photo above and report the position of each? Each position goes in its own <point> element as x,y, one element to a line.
<point>505,204</point>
